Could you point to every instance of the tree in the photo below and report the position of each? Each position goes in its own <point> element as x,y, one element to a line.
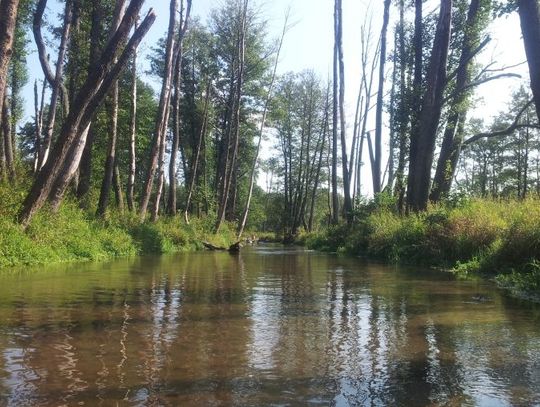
<point>529,16</point>
<point>424,131</point>
<point>8,11</point>
<point>54,177</point>
<point>243,220</point>
<point>376,165</point>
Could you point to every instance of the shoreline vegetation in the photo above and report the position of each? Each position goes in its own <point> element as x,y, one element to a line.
<point>73,234</point>
<point>495,239</point>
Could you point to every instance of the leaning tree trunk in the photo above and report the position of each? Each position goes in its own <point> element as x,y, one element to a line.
<point>202,135</point>
<point>90,96</point>
<point>424,134</point>
<point>73,158</point>
<point>529,15</point>
<point>55,80</point>
<point>252,175</point>
<point>163,109</point>
<point>8,21</point>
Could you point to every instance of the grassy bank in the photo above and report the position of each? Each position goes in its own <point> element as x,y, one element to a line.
<point>497,238</point>
<point>76,235</point>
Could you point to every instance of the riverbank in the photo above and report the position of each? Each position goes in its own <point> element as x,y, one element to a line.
<point>499,239</point>
<point>73,234</point>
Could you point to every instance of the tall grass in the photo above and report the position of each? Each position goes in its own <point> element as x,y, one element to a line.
<point>493,237</point>
<point>72,234</point>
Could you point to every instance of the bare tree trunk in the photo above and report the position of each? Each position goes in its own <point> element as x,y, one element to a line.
<point>202,136</point>
<point>425,132</point>
<point>38,121</point>
<point>161,125</point>
<point>117,182</point>
<point>176,100</point>
<point>8,22</point>
<point>8,143</point>
<point>252,175</point>
<point>133,136</point>
<point>235,127</point>
<point>110,161</point>
<point>90,96</point>
<point>376,170</point>
<point>85,168</point>
<point>56,80</point>
<point>347,202</point>
<point>335,87</point>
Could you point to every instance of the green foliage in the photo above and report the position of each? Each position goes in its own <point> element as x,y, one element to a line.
<point>468,236</point>
<point>75,235</point>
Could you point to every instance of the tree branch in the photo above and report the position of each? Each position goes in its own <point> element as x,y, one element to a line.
<point>509,130</point>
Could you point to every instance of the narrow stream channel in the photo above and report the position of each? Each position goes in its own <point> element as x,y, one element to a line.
<point>271,326</point>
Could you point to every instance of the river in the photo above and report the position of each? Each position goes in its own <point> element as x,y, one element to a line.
<point>271,326</point>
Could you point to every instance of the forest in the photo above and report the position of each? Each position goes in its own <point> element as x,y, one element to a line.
<point>228,146</point>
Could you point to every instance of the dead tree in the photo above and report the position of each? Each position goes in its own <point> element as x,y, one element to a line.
<point>184,20</point>
<point>202,135</point>
<point>376,164</point>
<point>132,135</point>
<point>163,111</point>
<point>252,175</point>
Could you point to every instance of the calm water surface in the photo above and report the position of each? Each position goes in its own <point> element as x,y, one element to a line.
<point>271,326</point>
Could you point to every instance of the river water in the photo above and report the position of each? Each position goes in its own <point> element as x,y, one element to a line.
<point>271,326</point>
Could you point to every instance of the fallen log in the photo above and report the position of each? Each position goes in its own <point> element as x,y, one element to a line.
<point>234,248</point>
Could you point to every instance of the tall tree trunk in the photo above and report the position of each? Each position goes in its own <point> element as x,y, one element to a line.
<point>376,169</point>
<point>90,96</point>
<point>171,208</point>
<point>529,16</point>
<point>453,134</point>
<point>253,171</point>
<point>163,110</point>
<point>202,135</point>
<point>118,190</point>
<point>132,136</point>
<point>232,149</point>
<point>347,202</point>
<point>38,122</point>
<point>110,161</point>
<point>335,88</point>
<point>424,134</point>
<point>8,22</point>
<point>56,80</point>
<point>8,143</point>
<point>85,168</point>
